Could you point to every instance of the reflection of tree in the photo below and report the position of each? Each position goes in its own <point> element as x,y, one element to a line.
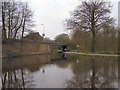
<point>81,72</point>
<point>93,72</point>
<point>15,74</point>
<point>4,80</point>
<point>32,63</point>
<point>64,62</point>
<point>107,73</point>
<point>23,82</point>
<point>16,79</point>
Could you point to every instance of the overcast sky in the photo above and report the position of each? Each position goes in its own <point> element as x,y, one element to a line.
<point>52,14</point>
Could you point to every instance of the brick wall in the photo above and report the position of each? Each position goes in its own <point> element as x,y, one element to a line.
<point>13,47</point>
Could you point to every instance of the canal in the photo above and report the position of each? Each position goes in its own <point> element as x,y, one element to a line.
<point>60,71</point>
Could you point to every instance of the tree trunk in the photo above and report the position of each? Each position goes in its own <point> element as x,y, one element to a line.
<point>9,26</point>
<point>93,42</point>
<point>11,32</point>
<point>23,32</point>
<point>3,22</point>
<point>93,29</point>
<point>16,29</point>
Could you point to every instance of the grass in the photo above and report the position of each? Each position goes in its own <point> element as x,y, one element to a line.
<point>92,54</point>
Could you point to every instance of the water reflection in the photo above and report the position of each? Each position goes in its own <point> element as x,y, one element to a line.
<point>60,71</point>
<point>94,73</point>
<point>16,79</point>
<point>92,62</point>
<point>18,72</point>
<point>64,56</point>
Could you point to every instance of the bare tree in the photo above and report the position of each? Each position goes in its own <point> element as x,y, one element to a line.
<point>27,20</point>
<point>10,18</point>
<point>91,16</point>
<point>16,19</point>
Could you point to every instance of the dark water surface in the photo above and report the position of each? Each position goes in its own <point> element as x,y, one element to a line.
<point>60,71</point>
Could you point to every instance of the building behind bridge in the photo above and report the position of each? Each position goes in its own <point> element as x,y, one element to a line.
<point>34,36</point>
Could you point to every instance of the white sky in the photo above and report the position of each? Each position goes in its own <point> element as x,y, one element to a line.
<point>52,13</point>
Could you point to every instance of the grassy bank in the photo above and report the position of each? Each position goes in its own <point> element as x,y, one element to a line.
<point>92,54</point>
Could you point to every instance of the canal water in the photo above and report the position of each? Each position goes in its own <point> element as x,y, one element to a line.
<point>60,71</point>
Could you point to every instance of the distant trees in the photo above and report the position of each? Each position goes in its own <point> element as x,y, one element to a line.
<point>62,38</point>
<point>91,17</point>
<point>106,41</point>
<point>16,19</point>
<point>81,38</point>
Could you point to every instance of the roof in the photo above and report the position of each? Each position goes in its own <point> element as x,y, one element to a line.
<point>34,36</point>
